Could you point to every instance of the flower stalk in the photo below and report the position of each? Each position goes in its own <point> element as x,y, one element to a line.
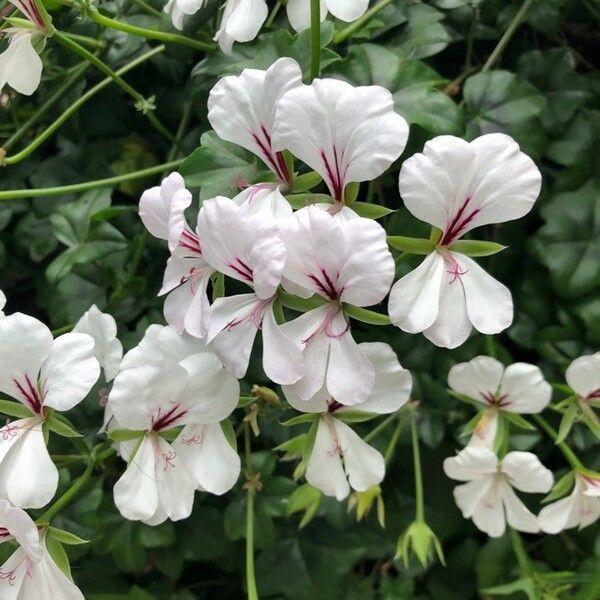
<point>315,38</point>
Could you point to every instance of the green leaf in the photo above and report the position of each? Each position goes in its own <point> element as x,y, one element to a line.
<point>229,433</point>
<point>411,245</point>
<point>366,316</point>
<point>15,409</point>
<point>525,584</point>
<point>305,182</point>
<point>370,211</point>
<point>476,247</point>
<point>125,435</point>
<point>58,555</point>
<point>61,428</point>
<point>355,416</point>
<point>304,418</point>
<point>424,34</point>
<point>561,488</point>
<point>65,537</point>
<point>217,167</point>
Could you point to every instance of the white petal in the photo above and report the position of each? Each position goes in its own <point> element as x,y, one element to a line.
<point>484,434</point>
<point>415,298</point>
<point>263,201</point>
<point>108,350</point>
<point>526,473</point>
<point>177,16</point>
<point>363,464</point>
<point>59,585</point>
<point>190,7</point>
<point>471,463</point>
<point>16,564</point>
<point>177,346</point>
<point>20,526</point>
<point>324,470</point>
<point>70,371</point>
<point>347,10</point>
<point>518,516</point>
<point>136,493</point>
<point>298,13</point>
<point>344,133</point>
<point>26,343</point>
<point>246,19</point>
<point>526,389</point>
<point>583,375</point>
<point>20,64</point>
<point>207,455</point>
<point>479,378</point>
<point>2,302</point>
<point>317,404</point>
<point>469,495</point>
<point>562,514</point>
<point>488,515</point>
<point>282,358</point>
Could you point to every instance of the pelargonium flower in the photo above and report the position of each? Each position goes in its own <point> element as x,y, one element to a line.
<point>340,459</point>
<point>251,251</point>
<point>456,186</point>
<point>345,133</point>
<point>580,509</point>
<point>169,381</point>
<point>179,9</point>
<point>298,11</point>
<point>41,373</point>
<point>187,274</point>
<point>241,22</point>
<point>583,376</point>
<point>343,262</point>
<point>242,110</point>
<point>488,496</point>
<point>30,572</point>
<point>519,388</point>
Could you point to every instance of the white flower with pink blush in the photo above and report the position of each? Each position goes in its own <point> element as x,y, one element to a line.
<point>342,262</point>
<point>41,373</point>
<point>241,22</point>
<point>580,509</point>
<point>187,274</point>
<point>346,134</point>
<point>250,250</point>
<point>167,381</point>
<point>298,11</point>
<point>242,110</point>
<point>30,573</point>
<point>488,497</point>
<point>519,388</point>
<point>456,186</point>
<point>340,459</point>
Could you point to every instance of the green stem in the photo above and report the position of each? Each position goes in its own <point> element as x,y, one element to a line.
<point>78,71</point>
<point>273,14</point>
<point>389,452</point>
<point>149,9</point>
<point>69,495</point>
<point>63,329</point>
<point>521,554</point>
<point>85,40</point>
<point>49,131</point>
<point>88,185</point>
<point>565,449</point>
<point>507,36</point>
<point>420,502</point>
<point>315,38</point>
<point>250,575</point>
<point>150,34</point>
<point>359,23</point>
<point>141,103</point>
<point>377,430</point>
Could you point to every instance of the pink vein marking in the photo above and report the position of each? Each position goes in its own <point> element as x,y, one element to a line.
<point>30,394</point>
<point>30,10</point>
<point>242,269</point>
<point>594,394</point>
<point>336,183</point>
<point>458,223</point>
<point>326,286</point>
<point>168,419</point>
<point>493,400</point>
<point>274,160</point>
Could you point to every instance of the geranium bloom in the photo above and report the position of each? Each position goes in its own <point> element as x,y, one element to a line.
<point>165,382</point>
<point>488,496</point>
<point>457,186</point>
<point>340,459</point>
<point>345,133</point>
<point>519,388</point>
<point>20,64</point>
<point>241,22</point>
<point>242,110</point>
<point>41,373</point>
<point>583,376</point>
<point>179,9</point>
<point>249,250</point>
<point>341,261</point>
<point>580,509</point>
<point>187,274</point>
<point>298,11</point>
<point>30,572</point>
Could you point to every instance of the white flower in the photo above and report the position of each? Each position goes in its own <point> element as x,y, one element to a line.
<point>20,64</point>
<point>583,376</point>
<point>167,381</point>
<point>187,274</point>
<point>580,509</point>
<point>298,11</point>
<point>40,373</point>
<point>179,9</point>
<point>343,262</point>
<point>456,186</point>
<point>519,388</point>
<point>345,133</point>
<point>340,459</point>
<point>241,22</point>
<point>249,250</point>
<point>488,496</point>
<point>2,302</point>
<point>108,350</point>
<point>30,572</point>
<point>242,110</point>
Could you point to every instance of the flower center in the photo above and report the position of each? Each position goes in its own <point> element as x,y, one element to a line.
<point>166,419</point>
<point>31,394</point>
<point>459,222</point>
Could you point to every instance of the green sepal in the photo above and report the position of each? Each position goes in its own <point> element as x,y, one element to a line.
<point>15,409</point>
<point>471,425</point>
<point>351,192</point>
<point>229,433</point>
<point>125,435</point>
<point>299,419</point>
<point>309,441</point>
<point>65,537</point>
<point>501,441</point>
<point>170,435</point>
<point>304,498</point>
<point>305,182</point>
<point>517,420</point>
<point>218,286</point>
<point>366,316</point>
<point>300,304</point>
<point>567,421</point>
<point>411,245</point>
<point>476,247</point>
<point>355,416</point>
<point>278,312</point>
<point>246,401</point>
<point>465,398</point>
<point>61,428</point>
<point>301,200</point>
<point>292,447</point>
<point>58,555</point>
<point>369,210</point>
<point>435,235</point>
<point>561,488</point>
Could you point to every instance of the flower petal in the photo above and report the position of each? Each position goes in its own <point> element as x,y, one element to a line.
<point>488,515</point>
<point>57,583</point>
<point>20,65</point>
<point>241,22</point>
<point>583,375</point>
<point>347,10</point>
<point>526,473</point>
<point>298,13</point>
<point>471,463</point>
<point>469,495</point>
<point>264,202</point>
<point>526,389</point>
<point>518,516</point>
<point>478,379</point>
<point>22,528</point>
<point>564,513</point>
